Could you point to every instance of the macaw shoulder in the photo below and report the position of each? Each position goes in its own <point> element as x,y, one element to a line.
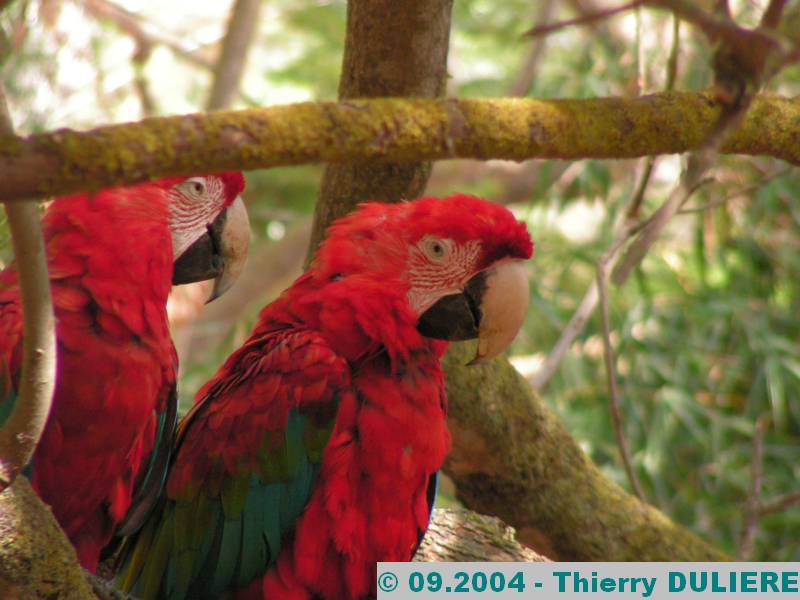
<point>273,373</point>
<point>10,342</point>
<point>10,313</point>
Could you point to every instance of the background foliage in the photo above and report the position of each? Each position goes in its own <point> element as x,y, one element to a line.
<point>706,331</point>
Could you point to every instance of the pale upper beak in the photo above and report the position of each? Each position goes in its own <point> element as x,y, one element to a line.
<point>491,308</point>
<point>503,309</point>
<point>220,253</point>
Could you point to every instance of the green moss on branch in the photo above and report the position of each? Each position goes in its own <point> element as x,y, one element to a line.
<point>390,130</point>
<point>512,458</point>
<point>36,560</point>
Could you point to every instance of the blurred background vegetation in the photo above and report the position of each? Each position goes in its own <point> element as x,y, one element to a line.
<point>706,331</point>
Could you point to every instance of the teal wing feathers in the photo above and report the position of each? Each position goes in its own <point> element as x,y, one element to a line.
<point>247,459</point>
<point>152,482</point>
<point>10,342</point>
<point>8,396</point>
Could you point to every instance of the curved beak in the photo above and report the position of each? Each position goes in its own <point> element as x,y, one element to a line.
<point>219,254</point>
<point>491,308</point>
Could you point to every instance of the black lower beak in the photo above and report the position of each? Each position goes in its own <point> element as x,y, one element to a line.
<point>204,259</point>
<point>456,317</point>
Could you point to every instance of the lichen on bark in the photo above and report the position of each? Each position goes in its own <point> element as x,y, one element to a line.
<point>386,130</point>
<point>458,535</point>
<point>36,559</point>
<point>512,458</point>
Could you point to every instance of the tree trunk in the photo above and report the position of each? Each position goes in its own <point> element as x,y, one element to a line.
<point>391,49</point>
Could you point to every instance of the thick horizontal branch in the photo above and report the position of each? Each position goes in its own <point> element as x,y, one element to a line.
<point>392,130</point>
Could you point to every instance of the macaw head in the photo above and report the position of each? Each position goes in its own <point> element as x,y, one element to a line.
<point>210,228</point>
<point>457,261</point>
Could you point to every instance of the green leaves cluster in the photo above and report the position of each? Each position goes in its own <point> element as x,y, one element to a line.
<point>706,340</point>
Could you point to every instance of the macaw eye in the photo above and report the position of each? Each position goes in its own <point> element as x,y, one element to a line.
<point>195,186</point>
<point>436,249</point>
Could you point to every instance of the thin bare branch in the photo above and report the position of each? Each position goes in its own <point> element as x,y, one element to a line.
<point>573,329</point>
<point>780,504</point>
<point>604,266</point>
<point>242,26</point>
<point>610,29</point>
<point>753,503</point>
<point>647,172</point>
<point>524,80</point>
<point>773,13</point>
<point>693,176</point>
<point>674,52</point>
<point>548,28</point>
<point>144,32</point>
<point>21,432</point>
<point>629,227</point>
<point>637,228</point>
<point>641,68</point>
<point>140,83</point>
<point>717,26</point>
<point>738,193</point>
<point>577,322</point>
<point>634,208</point>
<point>708,206</point>
<point>741,60</point>
<point>723,8</point>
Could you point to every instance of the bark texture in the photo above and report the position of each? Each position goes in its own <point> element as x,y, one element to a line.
<point>387,131</point>
<point>23,428</point>
<point>36,560</point>
<point>465,536</point>
<point>512,458</point>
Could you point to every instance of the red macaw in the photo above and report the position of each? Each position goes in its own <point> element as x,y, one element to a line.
<point>112,257</point>
<point>312,454</point>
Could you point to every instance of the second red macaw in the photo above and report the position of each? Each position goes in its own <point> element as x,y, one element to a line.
<point>113,256</point>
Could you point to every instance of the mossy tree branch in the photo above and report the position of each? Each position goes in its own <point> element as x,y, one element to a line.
<point>388,131</point>
<point>36,559</point>
<point>513,458</point>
